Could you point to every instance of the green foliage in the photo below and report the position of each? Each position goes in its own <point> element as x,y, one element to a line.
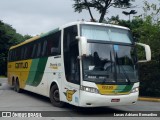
<point>100,5</point>
<point>8,37</point>
<point>149,79</point>
<point>27,37</point>
<point>2,76</point>
<point>150,34</point>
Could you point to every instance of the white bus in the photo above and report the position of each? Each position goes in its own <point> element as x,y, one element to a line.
<point>82,63</point>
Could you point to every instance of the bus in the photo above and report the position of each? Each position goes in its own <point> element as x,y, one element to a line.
<point>85,64</point>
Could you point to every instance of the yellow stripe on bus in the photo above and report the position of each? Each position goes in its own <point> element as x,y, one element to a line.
<point>26,41</point>
<point>20,70</point>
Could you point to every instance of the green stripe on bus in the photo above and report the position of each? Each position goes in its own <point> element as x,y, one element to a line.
<point>32,72</point>
<point>37,71</point>
<point>40,71</point>
<point>127,88</point>
<point>121,87</point>
<point>50,32</point>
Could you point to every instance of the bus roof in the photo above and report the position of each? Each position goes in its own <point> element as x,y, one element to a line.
<point>64,26</point>
<point>93,23</point>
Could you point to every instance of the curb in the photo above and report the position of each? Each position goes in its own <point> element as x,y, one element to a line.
<point>149,99</point>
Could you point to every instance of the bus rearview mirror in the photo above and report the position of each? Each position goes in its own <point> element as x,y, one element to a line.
<point>147,51</point>
<point>83,46</point>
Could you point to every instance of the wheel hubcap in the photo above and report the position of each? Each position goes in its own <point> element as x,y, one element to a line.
<point>56,95</point>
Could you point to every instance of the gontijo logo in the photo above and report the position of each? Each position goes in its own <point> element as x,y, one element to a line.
<point>21,65</point>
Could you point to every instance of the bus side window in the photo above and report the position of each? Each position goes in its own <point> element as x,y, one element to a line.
<point>22,52</point>
<point>54,47</point>
<point>44,48</point>
<point>29,51</point>
<point>18,53</point>
<point>14,55</point>
<point>49,46</point>
<point>25,53</point>
<point>39,49</point>
<point>33,51</point>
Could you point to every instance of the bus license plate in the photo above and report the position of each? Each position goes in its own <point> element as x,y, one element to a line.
<point>115,100</point>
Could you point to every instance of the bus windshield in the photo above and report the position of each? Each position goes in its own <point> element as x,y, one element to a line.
<point>103,33</point>
<point>108,63</point>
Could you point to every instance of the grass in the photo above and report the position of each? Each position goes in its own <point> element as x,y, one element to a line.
<point>2,76</point>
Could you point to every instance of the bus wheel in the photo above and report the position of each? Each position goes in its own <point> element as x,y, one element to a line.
<point>14,85</point>
<point>17,87</point>
<point>55,97</point>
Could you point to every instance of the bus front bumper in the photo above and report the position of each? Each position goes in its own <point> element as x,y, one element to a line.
<point>97,100</point>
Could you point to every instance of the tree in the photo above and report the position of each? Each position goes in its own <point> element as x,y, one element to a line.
<point>129,13</point>
<point>27,37</point>
<point>149,33</point>
<point>8,37</point>
<point>101,6</point>
<point>112,20</point>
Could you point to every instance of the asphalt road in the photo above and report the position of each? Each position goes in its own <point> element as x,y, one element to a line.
<point>27,101</point>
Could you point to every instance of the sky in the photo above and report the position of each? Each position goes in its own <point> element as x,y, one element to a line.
<point>34,17</point>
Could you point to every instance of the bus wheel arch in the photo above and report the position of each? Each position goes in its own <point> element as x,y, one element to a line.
<point>55,96</point>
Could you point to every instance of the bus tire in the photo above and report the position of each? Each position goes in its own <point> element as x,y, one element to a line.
<point>17,86</point>
<point>55,97</point>
<point>14,85</point>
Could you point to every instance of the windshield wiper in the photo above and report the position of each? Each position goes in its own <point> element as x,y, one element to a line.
<point>124,72</point>
<point>129,81</point>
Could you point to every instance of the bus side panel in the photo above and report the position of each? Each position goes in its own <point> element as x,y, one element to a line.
<point>53,72</point>
<point>42,74</point>
<point>20,70</point>
<point>36,75</point>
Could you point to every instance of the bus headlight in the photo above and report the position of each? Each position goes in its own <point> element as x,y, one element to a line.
<point>136,89</point>
<point>89,89</point>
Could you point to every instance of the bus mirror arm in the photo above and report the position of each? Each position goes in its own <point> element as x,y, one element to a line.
<point>147,51</point>
<point>83,46</point>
